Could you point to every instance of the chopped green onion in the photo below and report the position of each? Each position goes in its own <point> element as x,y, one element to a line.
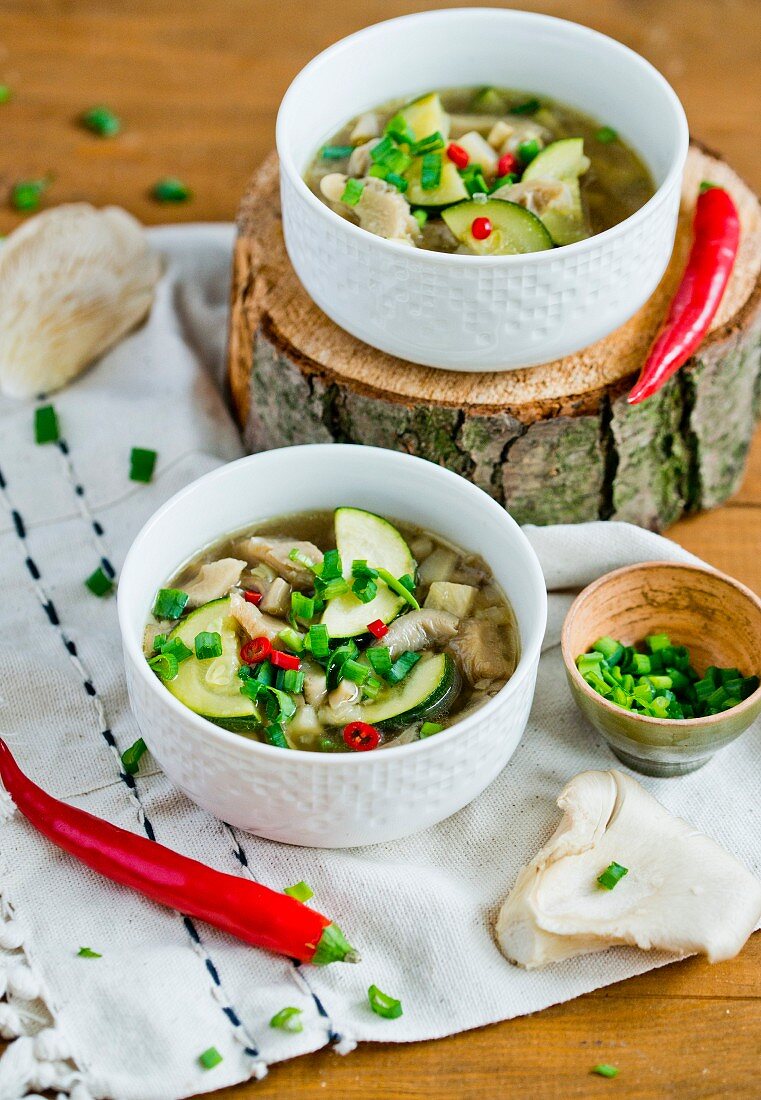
<point>301,892</point>
<point>371,687</point>
<point>612,875</point>
<point>170,603</point>
<point>302,559</point>
<point>402,666</point>
<point>421,216</point>
<point>408,582</point>
<point>606,135</point>
<point>101,121</point>
<point>379,657</point>
<point>384,147</point>
<point>276,736</point>
<point>88,953</point>
<point>287,1019</point>
<point>399,182</point>
<point>428,729</point>
<point>336,152</point>
<point>293,680</point>
<point>142,463</point>
<point>605,1070</point>
<point>654,642</point>
<point>707,185</point>
<point>317,641</point>
<point>641,664</point>
<point>131,756</point>
<point>171,190</point>
<point>352,192</point>
<point>527,150</point>
<point>430,171</point>
<point>302,607</point>
<point>332,589</point>
<point>165,665</point>
<point>5,93</point>
<point>292,639</point>
<point>354,671</point>
<point>46,429</point>
<point>503,181</point>
<point>473,178</point>
<point>428,144</point>
<point>383,1005</point>
<point>208,645</point>
<point>99,583</point>
<point>607,646</point>
<point>26,194</point>
<point>210,1058</point>
<point>398,128</point>
<point>529,107</point>
<point>331,567</point>
<point>394,160</point>
<point>159,642</point>
<point>334,668</point>
<point>365,589</point>
<point>397,586</point>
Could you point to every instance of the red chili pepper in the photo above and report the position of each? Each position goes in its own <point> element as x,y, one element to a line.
<point>507,164</point>
<point>284,660</point>
<point>361,737</point>
<point>378,628</point>
<point>480,228</point>
<point>253,913</point>
<point>252,597</point>
<point>457,155</point>
<point>716,236</point>
<point>255,650</point>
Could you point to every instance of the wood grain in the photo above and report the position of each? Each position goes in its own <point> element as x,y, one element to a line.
<point>197,85</point>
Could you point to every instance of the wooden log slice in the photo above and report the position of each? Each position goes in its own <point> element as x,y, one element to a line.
<point>555,443</point>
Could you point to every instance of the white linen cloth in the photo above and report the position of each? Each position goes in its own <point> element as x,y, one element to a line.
<point>132,1023</point>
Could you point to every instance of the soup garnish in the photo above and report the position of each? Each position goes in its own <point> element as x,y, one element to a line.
<point>333,632</point>
<point>480,171</point>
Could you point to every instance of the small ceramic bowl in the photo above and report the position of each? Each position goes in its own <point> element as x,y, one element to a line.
<point>716,617</point>
<point>480,313</point>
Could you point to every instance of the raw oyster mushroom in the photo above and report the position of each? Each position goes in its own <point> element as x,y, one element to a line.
<point>683,892</point>
<point>74,281</point>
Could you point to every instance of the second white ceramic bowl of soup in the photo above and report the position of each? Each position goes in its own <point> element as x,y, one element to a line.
<point>480,313</point>
<point>335,799</point>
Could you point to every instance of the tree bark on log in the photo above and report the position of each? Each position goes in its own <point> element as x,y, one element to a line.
<point>556,443</point>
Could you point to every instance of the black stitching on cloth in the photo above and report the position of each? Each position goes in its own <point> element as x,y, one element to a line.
<point>250,1046</point>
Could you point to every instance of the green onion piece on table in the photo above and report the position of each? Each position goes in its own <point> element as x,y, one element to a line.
<point>605,1070</point>
<point>170,603</point>
<point>352,192</point>
<point>170,189</point>
<point>88,953</point>
<point>383,1005</point>
<point>612,875</point>
<point>141,464</point>
<point>99,583</point>
<point>287,1019</point>
<point>210,1058</point>
<point>606,135</point>
<point>101,121</point>
<point>46,428</point>
<point>5,93</point>
<point>26,194</point>
<point>301,892</point>
<point>131,757</point>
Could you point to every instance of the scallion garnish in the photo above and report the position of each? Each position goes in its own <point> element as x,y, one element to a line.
<point>318,641</point>
<point>402,666</point>
<point>383,1005</point>
<point>420,216</point>
<point>301,892</point>
<point>397,586</point>
<point>336,152</point>
<point>354,671</point>
<point>165,665</point>
<point>177,648</point>
<point>428,144</point>
<point>210,1058</point>
<point>302,607</point>
<point>276,736</point>
<point>364,586</point>
<point>330,590</point>
<point>131,757</point>
<point>399,182</point>
<point>26,194</point>
<point>352,193</point>
<point>99,583</point>
<point>301,558</point>
<point>398,128</point>
<point>141,464</point>
<point>88,953</point>
<point>5,93</point>
<point>159,642</point>
<point>428,729</point>
<point>171,190</point>
<point>101,121</point>
<point>606,135</point>
<point>380,658</point>
<point>170,603</point>
<point>287,1019</point>
<point>612,875</point>
<point>384,147</point>
<point>331,567</point>
<point>527,150</point>
<point>604,1069</point>
<point>293,680</point>
<point>292,639</point>
<point>430,171</point>
<point>334,667</point>
<point>529,107</point>
<point>46,428</point>
<point>208,644</point>
<point>371,687</point>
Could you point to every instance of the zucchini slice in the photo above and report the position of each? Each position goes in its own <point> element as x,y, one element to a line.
<point>427,692</point>
<point>514,229</point>
<point>212,688</point>
<point>425,116</point>
<point>451,187</point>
<point>564,161</point>
<point>364,536</point>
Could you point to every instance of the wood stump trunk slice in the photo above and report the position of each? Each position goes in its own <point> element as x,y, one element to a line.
<point>555,443</point>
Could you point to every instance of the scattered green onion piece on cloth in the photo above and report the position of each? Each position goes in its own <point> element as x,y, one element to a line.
<point>612,875</point>
<point>46,427</point>
<point>604,1070</point>
<point>26,194</point>
<point>352,192</point>
<point>132,756</point>
<point>170,603</point>
<point>101,121</point>
<point>99,583</point>
<point>606,135</point>
<point>88,953</point>
<point>301,892</point>
<point>210,1058</point>
<point>142,464</point>
<point>287,1019</point>
<point>171,189</point>
<point>428,729</point>
<point>383,1005</point>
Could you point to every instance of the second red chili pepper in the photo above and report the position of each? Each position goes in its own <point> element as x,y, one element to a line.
<point>253,913</point>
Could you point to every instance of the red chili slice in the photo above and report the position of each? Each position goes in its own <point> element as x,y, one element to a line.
<point>361,737</point>
<point>284,660</point>
<point>255,650</point>
<point>457,155</point>
<point>481,228</point>
<point>507,164</point>
<point>378,628</point>
<point>252,597</point>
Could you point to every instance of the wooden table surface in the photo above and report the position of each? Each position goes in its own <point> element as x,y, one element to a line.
<point>197,84</point>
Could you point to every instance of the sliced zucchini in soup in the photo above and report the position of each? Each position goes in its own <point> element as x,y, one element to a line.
<point>513,228</point>
<point>426,692</point>
<point>450,188</point>
<point>563,161</point>
<point>426,116</point>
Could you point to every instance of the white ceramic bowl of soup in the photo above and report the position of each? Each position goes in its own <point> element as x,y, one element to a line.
<point>480,313</point>
<point>330,799</point>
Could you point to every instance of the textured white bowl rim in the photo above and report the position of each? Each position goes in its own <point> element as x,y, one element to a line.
<point>433,258</point>
<point>530,647</point>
